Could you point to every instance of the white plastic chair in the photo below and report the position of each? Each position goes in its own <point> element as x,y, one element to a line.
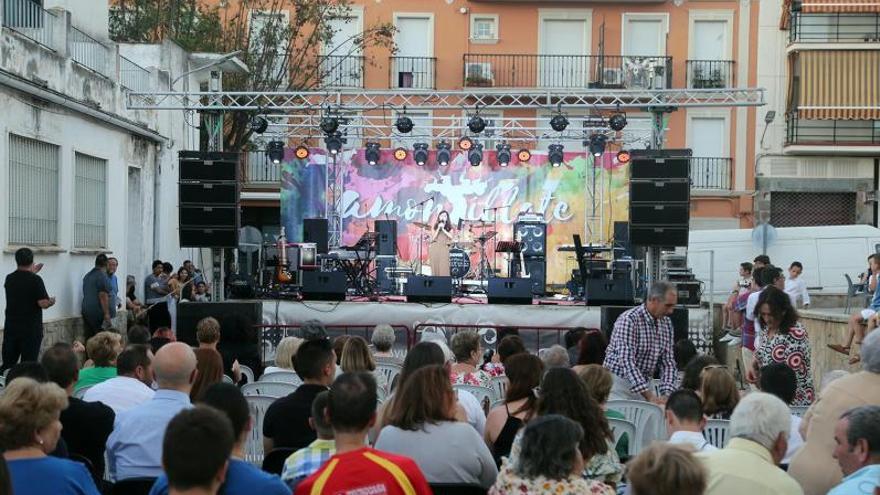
<point>716,432</point>
<point>619,427</point>
<point>647,417</point>
<point>247,372</point>
<point>268,389</point>
<point>258,406</point>
<point>283,377</point>
<point>79,394</point>
<point>484,395</point>
<point>499,385</point>
<point>799,411</point>
<point>228,379</point>
<point>390,372</point>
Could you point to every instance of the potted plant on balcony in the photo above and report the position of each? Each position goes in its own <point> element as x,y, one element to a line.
<point>475,80</point>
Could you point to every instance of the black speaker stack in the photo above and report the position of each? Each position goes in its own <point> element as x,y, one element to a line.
<point>660,196</point>
<point>316,230</point>
<point>533,235</point>
<point>208,195</point>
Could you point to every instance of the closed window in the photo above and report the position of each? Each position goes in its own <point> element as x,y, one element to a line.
<point>90,202</point>
<point>484,27</point>
<point>33,192</point>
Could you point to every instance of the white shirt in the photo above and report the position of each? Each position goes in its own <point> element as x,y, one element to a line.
<point>797,288</point>
<point>693,438</point>
<point>120,393</point>
<point>475,415</point>
<point>795,441</point>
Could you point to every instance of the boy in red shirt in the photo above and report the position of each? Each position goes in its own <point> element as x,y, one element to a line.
<point>356,469</point>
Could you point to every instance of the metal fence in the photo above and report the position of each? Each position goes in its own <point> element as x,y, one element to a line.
<point>30,19</point>
<point>708,74</point>
<point>710,172</point>
<point>841,27</point>
<point>342,71</point>
<point>831,132</point>
<point>132,76</point>
<point>413,72</point>
<point>88,51</point>
<point>807,209</point>
<point>271,335</point>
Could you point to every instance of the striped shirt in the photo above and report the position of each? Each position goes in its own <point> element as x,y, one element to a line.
<point>366,471</point>
<point>640,344</point>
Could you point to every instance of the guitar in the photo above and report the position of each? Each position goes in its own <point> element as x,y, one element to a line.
<point>522,262</point>
<point>282,274</point>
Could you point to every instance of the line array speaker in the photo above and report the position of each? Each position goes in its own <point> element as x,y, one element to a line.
<point>208,195</point>
<point>659,197</point>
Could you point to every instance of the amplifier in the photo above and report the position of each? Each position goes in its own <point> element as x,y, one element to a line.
<point>688,292</point>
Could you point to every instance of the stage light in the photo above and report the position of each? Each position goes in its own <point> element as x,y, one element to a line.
<point>558,123</point>
<point>275,151</point>
<point>301,152</point>
<point>524,155</point>
<point>334,142</point>
<point>420,153</point>
<point>597,144</point>
<point>554,155</point>
<point>259,124</point>
<point>444,153</point>
<point>476,124</point>
<point>465,143</point>
<point>617,121</point>
<point>503,154</point>
<point>404,124</point>
<point>475,155</point>
<point>400,154</point>
<point>329,125</point>
<point>372,153</point>
<point>623,156</point>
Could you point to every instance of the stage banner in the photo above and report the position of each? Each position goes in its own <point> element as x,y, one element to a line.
<point>392,189</point>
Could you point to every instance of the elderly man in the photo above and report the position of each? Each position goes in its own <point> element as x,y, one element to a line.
<point>134,449</point>
<point>858,450</point>
<point>642,342</point>
<point>749,464</point>
<point>813,466</point>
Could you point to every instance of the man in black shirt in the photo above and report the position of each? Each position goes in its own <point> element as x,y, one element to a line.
<point>26,298</point>
<point>286,423</point>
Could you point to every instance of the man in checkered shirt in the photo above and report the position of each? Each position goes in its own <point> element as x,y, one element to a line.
<point>305,461</point>
<point>641,343</point>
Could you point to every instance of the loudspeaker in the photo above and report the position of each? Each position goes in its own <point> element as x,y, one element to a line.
<point>679,324</point>
<point>232,315</point>
<point>208,166</point>
<point>533,235</point>
<point>660,168</point>
<point>384,280</point>
<point>510,291</point>
<point>428,289</point>
<point>604,291</point>
<point>659,214</point>
<point>536,267</point>
<point>660,191</point>
<point>223,216</point>
<point>316,230</point>
<point>209,193</point>
<point>609,316</point>
<point>663,236</point>
<point>323,286</point>
<point>621,240</point>
<point>387,243</point>
<point>208,237</point>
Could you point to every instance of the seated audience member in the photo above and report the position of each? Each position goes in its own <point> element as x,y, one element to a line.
<point>338,346</point>
<point>138,335</point>
<point>209,367</point>
<point>813,466</point>
<point>550,461</point>
<point>356,468</point>
<point>507,347</point>
<point>664,469</point>
<point>683,351</point>
<point>554,356</point>
<point>5,481</point>
<point>780,380</point>
<point>132,385</point>
<point>208,336</point>
<point>312,329</point>
<point>86,425</point>
<point>239,345</point>
<point>718,392</point>
<point>29,430</point>
<point>685,421</point>
<point>286,423</point>
<point>242,478</point>
<point>832,375</point>
<point>27,369</point>
<point>599,382</point>
<point>758,439</point>
<point>690,380</point>
<point>195,451</point>
<point>305,461</point>
<point>383,339</point>
<point>858,450</point>
<point>468,353</point>
<point>134,449</point>
<point>795,286</point>
<point>591,349</point>
<point>571,339</point>
<point>201,293</point>
<point>503,422</point>
<point>162,336</point>
<point>356,356</point>
<point>285,354</point>
<point>865,319</point>
<point>422,426</point>
<point>102,348</point>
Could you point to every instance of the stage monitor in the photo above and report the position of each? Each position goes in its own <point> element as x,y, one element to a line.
<point>510,290</point>
<point>323,286</point>
<point>429,289</point>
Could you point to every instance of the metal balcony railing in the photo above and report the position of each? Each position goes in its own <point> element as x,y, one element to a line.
<point>413,72</point>
<point>342,71</point>
<point>87,51</point>
<point>834,28</point>
<point>258,169</point>
<point>710,172</point>
<point>567,71</point>
<point>132,76</point>
<point>708,74</point>
<point>28,18</point>
<point>831,132</point>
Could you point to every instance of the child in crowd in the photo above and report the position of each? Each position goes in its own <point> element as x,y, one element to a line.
<point>732,317</point>
<point>865,320</point>
<point>795,286</point>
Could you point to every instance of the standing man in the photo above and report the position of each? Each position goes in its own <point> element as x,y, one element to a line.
<point>640,344</point>
<point>26,299</point>
<point>155,290</point>
<point>96,298</point>
<point>112,266</point>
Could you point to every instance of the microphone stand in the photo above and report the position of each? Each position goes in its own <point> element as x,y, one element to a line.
<point>421,209</point>
<point>494,211</point>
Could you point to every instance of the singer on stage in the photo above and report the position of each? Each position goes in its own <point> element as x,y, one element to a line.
<point>438,251</point>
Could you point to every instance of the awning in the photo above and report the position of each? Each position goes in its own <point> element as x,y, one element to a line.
<point>839,85</point>
<point>840,6</point>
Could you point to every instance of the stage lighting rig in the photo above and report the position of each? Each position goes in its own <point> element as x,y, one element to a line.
<point>597,144</point>
<point>465,143</point>
<point>329,125</point>
<point>476,124</point>
<point>444,153</point>
<point>275,151</point>
<point>400,154</point>
<point>475,155</point>
<point>404,124</point>
<point>334,142</point>
<point>623,156</point>
<point>420,153</point>
<point>523,155</point>
<point>554,154</point>
<point>617,121</point>
<point>372,153</point>
<point>503,154</point>
<point>559,122</point>
<point>259,124</point>
<point>301,152</point>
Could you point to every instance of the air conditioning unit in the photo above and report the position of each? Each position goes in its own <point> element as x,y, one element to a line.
<point>612,77</point>
<point>478,74</point>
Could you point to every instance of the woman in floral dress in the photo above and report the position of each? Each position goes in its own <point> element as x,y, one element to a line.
<point>468,355</point>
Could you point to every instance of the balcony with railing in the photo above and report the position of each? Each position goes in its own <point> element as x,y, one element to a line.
<point>413,72</point>
<point>567,71</point>
<point>834,27</point>
<point>836,133</point>
<point>342,71</point>
<point>87,51</point>
<point>132,76</point>
<point>29,19</point>
<point>710,74</point>
<point>711,173</point>
<point>258,170</point>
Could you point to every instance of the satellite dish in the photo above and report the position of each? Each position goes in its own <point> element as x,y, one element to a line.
<point>250,239</point>
<point>763,236</point>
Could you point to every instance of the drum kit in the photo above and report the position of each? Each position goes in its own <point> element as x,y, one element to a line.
<point>469,241</point>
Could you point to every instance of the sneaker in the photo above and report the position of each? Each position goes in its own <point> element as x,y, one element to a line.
<point>727,337</point>
<point>735,341</point>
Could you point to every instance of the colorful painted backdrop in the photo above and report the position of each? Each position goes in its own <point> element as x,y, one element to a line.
<point>392,189</point>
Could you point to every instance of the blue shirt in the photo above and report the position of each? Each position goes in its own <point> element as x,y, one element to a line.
<point>113,300</point>
<point>93,284</point>
<point>241,479</point>
<point>134,449</point>
<point>860,482</point>
<point>875,301</point>
<point>50,476</point>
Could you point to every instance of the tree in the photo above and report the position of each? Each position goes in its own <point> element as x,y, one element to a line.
<point>286,44</point>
